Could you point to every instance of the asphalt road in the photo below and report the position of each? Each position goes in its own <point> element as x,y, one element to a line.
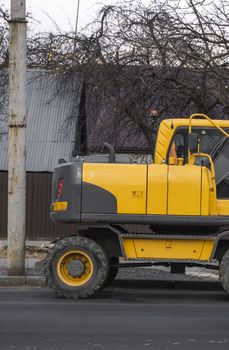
<point>132,315</point>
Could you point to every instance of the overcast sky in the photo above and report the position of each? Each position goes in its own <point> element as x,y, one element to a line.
<point>63,12</point>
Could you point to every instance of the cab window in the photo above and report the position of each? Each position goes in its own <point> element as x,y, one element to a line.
<point>208,139</point>
<point>178,147</point>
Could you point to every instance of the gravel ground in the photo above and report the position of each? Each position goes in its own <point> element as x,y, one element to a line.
<point>161,273</point>
<point>145,273</point>
<point>36,251</point>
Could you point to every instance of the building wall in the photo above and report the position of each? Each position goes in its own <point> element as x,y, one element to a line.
<point>38,223</point>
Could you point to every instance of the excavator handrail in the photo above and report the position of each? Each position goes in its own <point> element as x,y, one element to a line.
<point>194,155</point>
<point>197,115</point>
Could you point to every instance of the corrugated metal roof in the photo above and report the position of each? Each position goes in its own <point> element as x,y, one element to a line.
<point>53,106</point>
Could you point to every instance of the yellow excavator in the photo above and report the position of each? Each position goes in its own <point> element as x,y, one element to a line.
<point>182,198</point>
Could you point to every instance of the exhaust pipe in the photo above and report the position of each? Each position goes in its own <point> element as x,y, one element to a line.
<point>111,151</point>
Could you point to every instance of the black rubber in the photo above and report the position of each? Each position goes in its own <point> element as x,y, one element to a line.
<point>224,271</point>
<point>113,271</point>
<point>100,267</point>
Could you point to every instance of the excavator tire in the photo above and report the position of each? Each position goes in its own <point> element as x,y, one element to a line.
<point>224,271</point>
<point>76,267</point>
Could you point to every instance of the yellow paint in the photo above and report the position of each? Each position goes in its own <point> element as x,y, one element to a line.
<point>59,206</point>
<point>127,182</point>
<point>223,206</point>
<point>172,161</point>
<point>208,193</point>
<point>188,249</point>
<point>157,189</point>
<point>164,136</point>
<point>184,190</point>
<point>205,193</point>
<point>207,250</point>
<point>129,248</point>
<point>180,161</point>
<point>65,273</point>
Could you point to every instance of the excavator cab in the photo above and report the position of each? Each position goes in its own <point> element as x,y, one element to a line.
<point>208,146</point>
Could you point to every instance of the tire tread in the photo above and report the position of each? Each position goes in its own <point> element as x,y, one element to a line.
<point>90,288</point>
<point>224,271</point>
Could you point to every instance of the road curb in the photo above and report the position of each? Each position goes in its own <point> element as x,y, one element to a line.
<point>36,281</point>
<point>32,281</point>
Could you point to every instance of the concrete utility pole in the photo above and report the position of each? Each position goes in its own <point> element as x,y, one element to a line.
<point>76,26</point>
<point>17,129</point>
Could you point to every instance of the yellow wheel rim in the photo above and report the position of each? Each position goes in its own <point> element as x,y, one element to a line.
<point>75,268</point>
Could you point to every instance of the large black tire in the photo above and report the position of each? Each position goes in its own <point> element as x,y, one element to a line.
<point>113,271</point>
<point>76,267</point>
<point>224,271</point>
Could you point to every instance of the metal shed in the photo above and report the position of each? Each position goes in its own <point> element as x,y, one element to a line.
<point>52,122</point>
